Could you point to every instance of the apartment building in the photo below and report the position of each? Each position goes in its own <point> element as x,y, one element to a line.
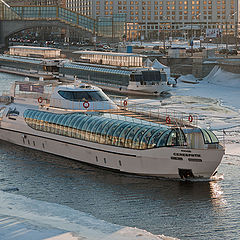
<point>153,19</point>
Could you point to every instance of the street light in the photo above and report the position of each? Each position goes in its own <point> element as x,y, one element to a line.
<point>230,15</point>
<point>164,37</point>
<point>191,42</point>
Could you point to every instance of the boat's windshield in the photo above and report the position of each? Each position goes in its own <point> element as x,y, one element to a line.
<point>82,96</point>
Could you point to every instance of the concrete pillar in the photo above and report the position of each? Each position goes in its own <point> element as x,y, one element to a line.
<point>2,38</point>
<point>197,67</point>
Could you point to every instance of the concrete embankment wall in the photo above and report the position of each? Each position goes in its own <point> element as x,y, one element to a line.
<point>230,65</point>
<point>183,66</point>
<point>200,67</point>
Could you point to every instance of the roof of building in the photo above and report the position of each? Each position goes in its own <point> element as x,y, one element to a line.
<point>96,69</point>
<point>35,48</point>
<point>20,59</point>
<point>109,53</point>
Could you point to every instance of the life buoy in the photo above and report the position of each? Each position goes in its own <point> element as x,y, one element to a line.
<point>125,103</point>
<point>40,100</point>
<point>190,118</point>
<point>168,120</point>
<point>86,104</point>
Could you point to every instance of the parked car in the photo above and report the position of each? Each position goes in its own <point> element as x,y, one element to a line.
<point>227,51</point>
<point>223,51</point>
<point>156,48</point>
<point>189,50</point>
<point>233,52</point>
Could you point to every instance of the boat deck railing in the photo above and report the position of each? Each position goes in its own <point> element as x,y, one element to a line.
<point>132,109</point>
<point>157,114</point>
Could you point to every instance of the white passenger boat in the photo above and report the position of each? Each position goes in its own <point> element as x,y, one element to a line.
<point>82,123</point>
<point>123,71</point>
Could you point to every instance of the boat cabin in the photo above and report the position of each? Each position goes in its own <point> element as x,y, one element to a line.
<point>78,96</point>
<point>148,77</point>
<point>112,58</point>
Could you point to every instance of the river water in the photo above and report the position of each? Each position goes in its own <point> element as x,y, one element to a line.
<point>50,190</point>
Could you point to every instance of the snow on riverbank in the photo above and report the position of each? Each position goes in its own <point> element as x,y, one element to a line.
<point>216,99</point>
<point>24,218</point>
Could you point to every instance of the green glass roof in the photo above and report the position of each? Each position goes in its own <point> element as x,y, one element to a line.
<point>103,128</point>
<point>112,129</point>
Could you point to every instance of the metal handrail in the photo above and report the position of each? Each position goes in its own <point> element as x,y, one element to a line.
<point>162,113</point>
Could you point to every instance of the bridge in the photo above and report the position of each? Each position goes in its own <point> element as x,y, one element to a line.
<point>18,18</point>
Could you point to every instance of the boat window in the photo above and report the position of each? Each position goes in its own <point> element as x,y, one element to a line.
<point>173,139</point>
<point>136,77</point>
<point>209,136</point>
<point>96,126</point>
<point>212,136</point>
<point>162,142</point>
<point>154,138</point>
<point>163,77</point>
<point>124,133</point>
<point>39,120</point>
<point>69,119</point>
<point>105,129</point>
<point>138,136</point>
<point>109,136</point>
<point>145,138</point>
<point>73,120</point>
<point>48,117</point>
<point>55,118</point>
<point>93,130</point>
<point>98,131</point>
<point>65,120</point>
<point>181,136</point>
<point>82,96</point>
<point>2,111</point>
<point>87,124</point>
<point>119,129</point>
<point>114,127</point>
<point>152,76</point>
<point>131,134</point>
<point>206,137</point>
<point>176,138</point>
<point>61,117</point>
<point>78,122</point>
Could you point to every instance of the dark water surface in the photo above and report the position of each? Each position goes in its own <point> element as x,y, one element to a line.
<point>187,210</point>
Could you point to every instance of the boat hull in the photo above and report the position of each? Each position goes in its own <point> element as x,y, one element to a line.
<point>166,162</point>
<point>152,89</point>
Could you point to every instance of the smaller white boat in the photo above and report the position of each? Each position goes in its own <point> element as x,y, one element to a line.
<point>120,71</point>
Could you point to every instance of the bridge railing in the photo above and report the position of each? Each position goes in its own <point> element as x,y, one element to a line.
<point>7,13</point>
<point>56,13</point>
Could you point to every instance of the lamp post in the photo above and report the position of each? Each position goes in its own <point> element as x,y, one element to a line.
<point>164,37</point>
<point>191,42</point>
<point>230,15</point>
<point>236,31</point>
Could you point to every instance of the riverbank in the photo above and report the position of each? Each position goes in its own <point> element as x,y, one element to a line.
<point>25,73</point>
